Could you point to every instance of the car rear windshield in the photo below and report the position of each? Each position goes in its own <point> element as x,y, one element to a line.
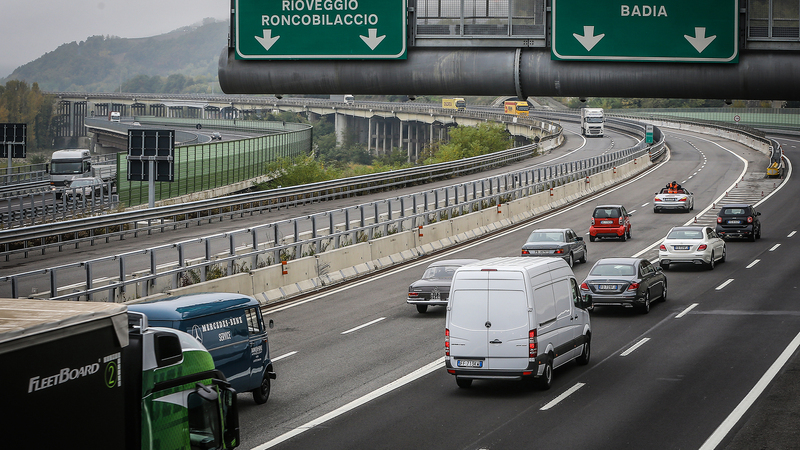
<point>606,213</point>
<point>541,236</point>
<point>685,234</point>
<point>735,211</point>
<point>439,273</point>
<point>613,270</point>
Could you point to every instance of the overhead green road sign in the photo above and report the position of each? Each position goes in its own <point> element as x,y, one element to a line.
<point>320,29</point>
<point>622,30</point>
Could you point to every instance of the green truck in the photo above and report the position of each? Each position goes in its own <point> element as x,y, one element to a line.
<point>95,375</point>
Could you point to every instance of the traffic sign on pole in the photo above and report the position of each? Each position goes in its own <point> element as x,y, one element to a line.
<point>320,29</point>
<point>672,31</point>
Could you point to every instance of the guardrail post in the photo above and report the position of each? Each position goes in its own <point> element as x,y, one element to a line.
<point>298,247</point>
<point>232,248</point>
<point>203,274</point>
<point>425,201</point>
<point>53,283</point>
<point>122,275</point>
<point>317,243</point>
<point>89,278</point>
<point>14,287</point>
<point>254,240</point>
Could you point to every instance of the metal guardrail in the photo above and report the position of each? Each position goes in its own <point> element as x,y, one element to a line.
<point>265,245</point>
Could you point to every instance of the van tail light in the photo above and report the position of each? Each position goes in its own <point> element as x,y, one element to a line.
<point>750,219</point>
<point>584,286</point>
<point>633,286</point>
<point>702,247</point>
<point>662,247</point>
<point>446,342</point>
<point>533,349</point>
<point>719,219</point>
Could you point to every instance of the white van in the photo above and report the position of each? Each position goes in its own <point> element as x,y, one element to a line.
<point>515,318</point>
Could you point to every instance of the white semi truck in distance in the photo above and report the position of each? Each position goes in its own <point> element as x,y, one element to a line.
<point>592,122</point>
<point>66,165</point>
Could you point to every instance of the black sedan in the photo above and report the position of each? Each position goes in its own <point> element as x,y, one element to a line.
<point>560,242</point>
<point>434,287</point>
<point>626,282</point>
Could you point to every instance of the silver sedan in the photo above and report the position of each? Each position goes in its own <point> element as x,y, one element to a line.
<point>692,245</point>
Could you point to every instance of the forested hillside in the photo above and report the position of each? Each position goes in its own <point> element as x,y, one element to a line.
<point>108,63</point>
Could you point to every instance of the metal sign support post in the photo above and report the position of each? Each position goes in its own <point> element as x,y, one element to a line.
<point>8,167</point>
<point>151,185</point>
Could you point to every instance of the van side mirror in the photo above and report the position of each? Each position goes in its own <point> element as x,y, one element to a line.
<point>271,324</point>
<point>578,238</point>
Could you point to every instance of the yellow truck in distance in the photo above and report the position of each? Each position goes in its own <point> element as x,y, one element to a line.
<point>454,103</point>
<point>516,108</point>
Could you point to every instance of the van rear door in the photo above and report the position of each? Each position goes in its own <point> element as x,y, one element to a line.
<point>507,320</point>
<point>467,311</point>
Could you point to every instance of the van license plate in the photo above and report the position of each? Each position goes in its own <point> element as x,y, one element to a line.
<point>606,222</point>
<point>608,287</point>
<point>469,363</point>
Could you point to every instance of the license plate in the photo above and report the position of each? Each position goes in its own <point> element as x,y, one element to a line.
<point>670,199</point>
<point>681,247</point>
<point>607,287</point>
<point>735,222</point>
<point>606,222</point>
<point>469,363</point>
<point>542,252</point>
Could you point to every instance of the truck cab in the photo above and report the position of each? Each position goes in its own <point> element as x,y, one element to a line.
<point>592,122</point>
<point>68,164</point>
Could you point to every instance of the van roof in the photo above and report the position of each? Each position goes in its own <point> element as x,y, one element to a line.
<point>192,305</point>
<point>516,262</point>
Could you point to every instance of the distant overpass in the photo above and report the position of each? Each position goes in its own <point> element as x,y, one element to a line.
<point>468,47</point>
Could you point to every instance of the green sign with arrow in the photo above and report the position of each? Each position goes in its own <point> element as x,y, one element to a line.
<point>320,29</point>
<point>670,31</point>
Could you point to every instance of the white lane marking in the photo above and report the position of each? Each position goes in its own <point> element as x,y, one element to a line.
<point>283,356</point>
<point>362,326</point>
<point>730,280</point>
<point>774,247</point>
<point>561,397</point>
<point>631,212</point>
<point>645,204</point>
<point>753,263</point>
<point>635,346</point>
<point>737,413</point>
<point>791,234</point>
<point>422,371</point>
<point>686,311</point>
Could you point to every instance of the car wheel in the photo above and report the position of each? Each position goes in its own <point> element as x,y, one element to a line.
<point>261,393</point>
<point>464,383</point>
<point>645,308</point>
<point>570,260</point>
<point>546,380</point>
<point>712,263</point>
<point>628,233</point>
<point>583,257</point>
<point>724,254</point>
<point>752,237</point>
<point>758,235</point>
<point>422,308</point>
<point>624,236</point>
<point>664,293</point>
<point>664,266</point>
<point>591,238</point>
<point>655,211</point>
<point>583,359</point>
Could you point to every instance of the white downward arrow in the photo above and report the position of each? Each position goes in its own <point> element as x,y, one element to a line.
<point>588,40</point>
<point>699,41</point>
<point>267,41</point>
<point>373,40</point>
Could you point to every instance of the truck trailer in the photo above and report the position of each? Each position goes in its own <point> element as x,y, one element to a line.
<point>454,103</point>
<point>592,122</point>
<point>94,375</point>
<point>516,107</point>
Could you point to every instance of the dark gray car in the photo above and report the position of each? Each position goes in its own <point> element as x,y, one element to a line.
<point>434,287</point>
<point>626,282</point>
<point>561,242</point>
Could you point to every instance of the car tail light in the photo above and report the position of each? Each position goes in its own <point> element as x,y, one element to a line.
<point>584,286</point>
<point>657,200</point>
<point>559,251</point>
<point>702,247</point>
<point>413,294</point>
<point>662,247</point>
<point>749,220</point>
<point>446,342</point>
<point>525,252</point>
<point>622,221</point>
<point>533,349</point>
<point>719,219</point>
<point>683,199</point>
<point>592,220</point>
<point>633,286</point>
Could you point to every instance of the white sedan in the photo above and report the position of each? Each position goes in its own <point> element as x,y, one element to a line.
<point>692,245</point>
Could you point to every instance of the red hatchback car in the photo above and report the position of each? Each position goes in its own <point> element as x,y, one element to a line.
<point>610,221</point>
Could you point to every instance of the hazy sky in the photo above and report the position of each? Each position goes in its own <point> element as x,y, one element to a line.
<point>31,28</point>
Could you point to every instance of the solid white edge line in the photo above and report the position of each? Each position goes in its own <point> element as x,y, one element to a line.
<point>686,311</point>
<point>725,427</point>
<point>634,347</point>
<point>774,247</point>
<point>561,397</point>
<point>753,263</point>
<point>422,371</point>
<point>363,325</point>
<point>730,280</point>
<point>277,358</point>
